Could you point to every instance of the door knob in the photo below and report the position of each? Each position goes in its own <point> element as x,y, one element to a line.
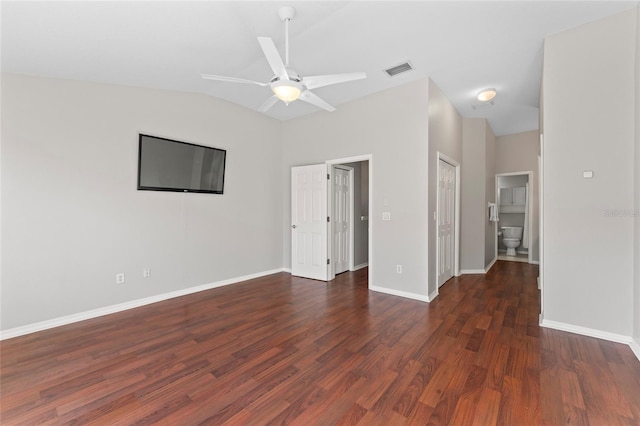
<point>293,226</point>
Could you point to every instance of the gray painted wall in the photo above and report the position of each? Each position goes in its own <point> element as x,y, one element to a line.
<point>478,190</point>
<point>71,215</point>
<point>519,153</point>
<point>490,196</point>
<point>473,207</point>
<point>445,136</point>
<point>636,332</point>
<point>512,181</point>
<point>589,252</point>
<point>392,127</point>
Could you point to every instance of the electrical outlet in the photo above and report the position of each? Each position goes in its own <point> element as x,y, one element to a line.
<point>120,278</point>
<point>386,215</point>
<point>146,273</point>
<point>399,269</point>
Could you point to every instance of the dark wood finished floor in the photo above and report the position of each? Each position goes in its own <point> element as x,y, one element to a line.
<point>280,350</point>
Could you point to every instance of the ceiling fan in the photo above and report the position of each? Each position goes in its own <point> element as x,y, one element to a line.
<point>287,85</point>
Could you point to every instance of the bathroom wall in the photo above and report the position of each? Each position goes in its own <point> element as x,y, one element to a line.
<point>519,153</point>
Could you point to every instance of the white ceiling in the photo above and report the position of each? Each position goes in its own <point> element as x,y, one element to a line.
<point>462,46</point>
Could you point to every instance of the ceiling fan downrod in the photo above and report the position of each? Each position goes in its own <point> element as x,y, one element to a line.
<point>286,13</point>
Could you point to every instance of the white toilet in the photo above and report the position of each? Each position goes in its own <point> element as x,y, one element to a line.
<point>511,236</point>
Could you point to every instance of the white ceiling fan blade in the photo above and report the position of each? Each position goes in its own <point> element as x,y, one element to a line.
<point>268,103</point>
<point>316,81</point>
<point>314,99</point>
<point>231,79</point>
<point>273,57</point>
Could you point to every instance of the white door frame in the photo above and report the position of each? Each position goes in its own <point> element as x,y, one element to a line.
<point>541,226</point>
<point>456,227</point>
<point>330,192</point>
<point>330,164</point>
<point>530,212</point>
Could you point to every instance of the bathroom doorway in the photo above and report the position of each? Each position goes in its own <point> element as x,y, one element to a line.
<point>515,208</point>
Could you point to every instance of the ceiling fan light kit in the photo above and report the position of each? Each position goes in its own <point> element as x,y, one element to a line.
<point>286,84</point>
<point>286,91</point>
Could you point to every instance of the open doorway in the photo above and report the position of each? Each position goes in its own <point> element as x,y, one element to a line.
<point>514,231</point>
<point>349,206</point>
<point>312,206</point>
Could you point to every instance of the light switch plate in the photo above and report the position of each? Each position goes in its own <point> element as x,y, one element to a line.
<point>587,174</point>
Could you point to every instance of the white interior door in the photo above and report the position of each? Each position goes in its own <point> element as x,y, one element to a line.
<point>446,221</point>
<point>341,219</point>
<point>309,221</point>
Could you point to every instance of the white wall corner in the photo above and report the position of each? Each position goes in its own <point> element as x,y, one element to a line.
<point>584,331</point>
<point>360,266</point>
<point>488,268</point>
<point>107,310</point>
<point>635,347</point>
<point>400,293</point>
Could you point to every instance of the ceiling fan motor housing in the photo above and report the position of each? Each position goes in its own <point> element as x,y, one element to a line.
<point>293,76</point>
<point>287,12</point>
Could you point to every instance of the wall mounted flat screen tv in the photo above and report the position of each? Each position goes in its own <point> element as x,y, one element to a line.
<point>168,165</point>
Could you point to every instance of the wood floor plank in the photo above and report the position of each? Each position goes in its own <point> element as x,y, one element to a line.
<point>286,350</point>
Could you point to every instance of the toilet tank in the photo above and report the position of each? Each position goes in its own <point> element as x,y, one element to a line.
<point>514,232</point>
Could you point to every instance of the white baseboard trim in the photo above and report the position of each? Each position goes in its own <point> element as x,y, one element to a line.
<point>479,271</point>
<point>598,334</point>
<point>472,271</point>
<point>400,293</point>
<point>538,279</point>
<point>288,270</point>
<point>360,266</point>
<point>534,262</point>
<point>493,262</point>
<point>432,296</point>
<point>635,347</point>
<point>94,313</point>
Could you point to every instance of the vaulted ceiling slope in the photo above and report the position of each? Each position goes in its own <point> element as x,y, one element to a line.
<point>462,46</point>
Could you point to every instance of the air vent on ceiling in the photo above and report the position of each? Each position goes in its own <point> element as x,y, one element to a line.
<point>398,69</point>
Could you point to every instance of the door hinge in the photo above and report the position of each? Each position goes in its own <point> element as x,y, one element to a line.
<point>328,261</point>
<point>328,176</point>
<point>328,219</point>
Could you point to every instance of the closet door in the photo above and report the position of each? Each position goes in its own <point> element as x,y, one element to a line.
<point>446,221</point>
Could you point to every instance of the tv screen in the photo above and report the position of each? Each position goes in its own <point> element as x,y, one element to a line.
<point>168,165</point>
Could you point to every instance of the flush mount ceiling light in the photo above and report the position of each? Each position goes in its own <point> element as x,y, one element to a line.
<point>486,95</point>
